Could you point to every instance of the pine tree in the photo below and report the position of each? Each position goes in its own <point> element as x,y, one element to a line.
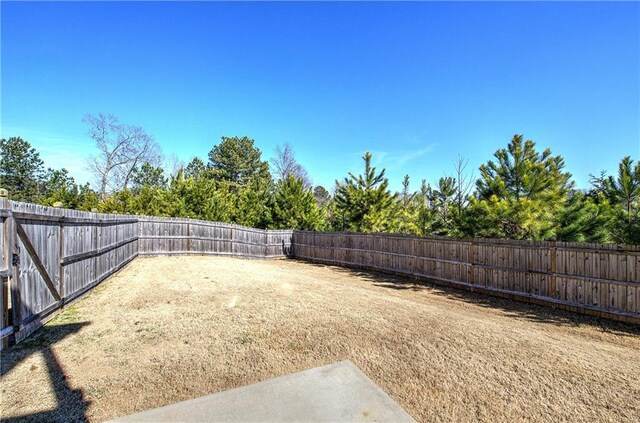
<point>294,206</point>
<point>364,201</point>
<point>623,192</point>
<point>237,160</point>
<point>424,210</point>
<point>195,169</point>
<point>332,217</point>
<point>443,201</point>
<point>254,206</point>
<point>196,195</point>
<point>585,219</point>
<point>21,170</point>
<point>59,187</point>
<point>153,201</point>
<point>406,215</point>
<point>119,202</point>
<point>88,198</point>
<point>221,206</point>
<point>522,194</point>
<point>149,176</point>
<point>625,189</point>
<point>523,173</point>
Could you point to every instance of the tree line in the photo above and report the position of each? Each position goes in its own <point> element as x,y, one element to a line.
<point>521,193</point>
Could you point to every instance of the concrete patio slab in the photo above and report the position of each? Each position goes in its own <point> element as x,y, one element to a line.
<point>339,392</point>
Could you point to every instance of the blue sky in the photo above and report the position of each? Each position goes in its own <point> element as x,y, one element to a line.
<point>418,84</point>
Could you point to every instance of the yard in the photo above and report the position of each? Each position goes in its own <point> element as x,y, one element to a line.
<point>166,329</point>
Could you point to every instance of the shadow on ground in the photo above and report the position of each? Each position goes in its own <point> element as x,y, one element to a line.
<point>70,403</point>
<point>516,309</point>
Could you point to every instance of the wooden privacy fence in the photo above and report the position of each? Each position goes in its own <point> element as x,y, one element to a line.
<point>602,280</point>
<point>176,236</point>
<point>50,256</point>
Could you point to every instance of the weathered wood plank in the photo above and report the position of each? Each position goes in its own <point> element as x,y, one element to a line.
<point>36,260</point>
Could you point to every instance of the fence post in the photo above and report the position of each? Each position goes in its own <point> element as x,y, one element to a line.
<point>61,257</point>
<point>14,264</point>
<point>414,253</point>
<point>233,247</point>
<point>554,270</point>
<point>137,234</point>
<point>473,258</point>
<point>96,227</point>
<point>188,236</point>
<point>6,266</point>
<point>266,243</point>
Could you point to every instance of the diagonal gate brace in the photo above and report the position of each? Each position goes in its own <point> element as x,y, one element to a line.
<point>36,260</point>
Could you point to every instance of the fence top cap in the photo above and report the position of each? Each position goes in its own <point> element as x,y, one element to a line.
<point>4,192</point>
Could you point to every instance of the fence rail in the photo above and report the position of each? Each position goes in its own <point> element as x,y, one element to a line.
<point>51,256</point>
<point>595,279</point>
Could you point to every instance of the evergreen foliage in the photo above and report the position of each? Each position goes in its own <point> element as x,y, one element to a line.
<point>443,202</point>
<point>21,169</point>
<point>195,169</point>
<point>585,219</point>
<point>623,191</point>
<point>255,204</point>
<point>407,219</point>
<point>423,209</point>
<point>148,176</point>
<point>365,202</point>
<point>520,194</point>
<point>294,206</point>
<point>237,160</point>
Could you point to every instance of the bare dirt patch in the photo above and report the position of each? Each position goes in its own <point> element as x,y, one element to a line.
<point>168,329</point>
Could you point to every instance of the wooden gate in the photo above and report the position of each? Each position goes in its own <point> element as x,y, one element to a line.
<point>51,256</point>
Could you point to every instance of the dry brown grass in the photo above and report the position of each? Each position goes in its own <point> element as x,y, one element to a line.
<point>168,329</point>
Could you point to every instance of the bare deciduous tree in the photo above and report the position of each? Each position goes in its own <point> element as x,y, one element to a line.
<point>284,163</point>
<point>120,149</point>
<point>464,183</point>
<point>174,164</point>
